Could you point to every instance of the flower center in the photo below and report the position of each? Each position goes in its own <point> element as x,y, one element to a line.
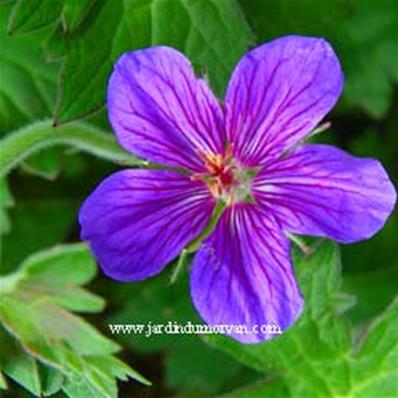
<point>226,179</point>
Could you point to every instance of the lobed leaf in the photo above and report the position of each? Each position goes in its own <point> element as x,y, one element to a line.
<point>28,15</point>
<point>316,356</point>
<point>49,348</point>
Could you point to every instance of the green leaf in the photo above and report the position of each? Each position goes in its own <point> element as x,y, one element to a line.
<point>74,12</point>
<point>28,85</point>
<point>19,145</point>
<point>211,33</point>
<point>56,263</point>
<point>50,273</point>
<point>374,290</point>
<point>3,382</point>
<point>375,371</point>
<point>72,354</point>
<point>28,15</point>
<point>51,380</point>
<point>56,45</point>
<point>363,35</point>
<point>6,201</point>
<point>273,387</point>
<point>18,365</point>
<point>45,164</point>
<point>198,29</point>
<point>89,62</point>
<point>27,90</point>
<point>329,364</point>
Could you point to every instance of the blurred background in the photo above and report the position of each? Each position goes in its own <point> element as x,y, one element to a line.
<point>55,57</point>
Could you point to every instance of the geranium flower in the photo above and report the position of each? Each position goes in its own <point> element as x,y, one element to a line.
<point>244,153</point>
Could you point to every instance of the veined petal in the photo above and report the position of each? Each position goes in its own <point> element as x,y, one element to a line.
<point>161,111</point>
<point>323,191</point>
<point>278,94</point>
<point>137,221</point>
<point>242,275</point>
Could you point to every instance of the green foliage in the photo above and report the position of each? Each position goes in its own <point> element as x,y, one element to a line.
<point>74,13</point>
<point>55,60</point>
<point>45,346</point>
<point>29,15</point>
<point>190,366</point>
<point>200,31</point>
<point>320,356</point>
<point>364,35</point>
<point>6,201</point>
<point>27,86</point>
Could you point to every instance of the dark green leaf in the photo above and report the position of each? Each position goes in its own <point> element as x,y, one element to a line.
<point>74,12</point>
<point>27,89</point>
<point>198,29</point>
<point>6,201</point>
<point>364,36</point>
<point>315,357</point>
<point>28,15</point>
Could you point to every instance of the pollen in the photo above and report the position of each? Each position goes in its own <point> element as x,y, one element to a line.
<point>225,178</point>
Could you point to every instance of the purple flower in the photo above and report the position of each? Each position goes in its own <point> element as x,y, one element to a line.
<point>244,153</point>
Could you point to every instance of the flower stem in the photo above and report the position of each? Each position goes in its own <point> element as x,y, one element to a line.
<point>182,260</point>
<point>300,243</point>
<point>193,246</point>
<point>19,145</point>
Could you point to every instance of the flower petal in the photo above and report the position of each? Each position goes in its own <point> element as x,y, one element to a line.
<point>278,93</point>
<point>137,221</point>
<point>323,191</point>
<point>242,275</point>
<point>161,111</point>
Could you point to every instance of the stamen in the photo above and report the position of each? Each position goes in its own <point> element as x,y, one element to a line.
<point>224,177</point>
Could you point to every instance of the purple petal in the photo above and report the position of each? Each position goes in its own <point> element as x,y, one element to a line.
<point>161,111</point>
<point>323,191</point>
<point>242,275</point>
<point>137,221</point>
<point>278,93</point>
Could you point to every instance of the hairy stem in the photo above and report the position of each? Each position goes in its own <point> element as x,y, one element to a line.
<point>19,145</point>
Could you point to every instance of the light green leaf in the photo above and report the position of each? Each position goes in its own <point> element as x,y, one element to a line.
<point>28,15</point>
<point>3,382</point>
<point>51,380</point>
<point>69,263</point>
<point>73,354</point>
<point>58,271</point>
<point>375,367</point>
<point>18,365</point>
